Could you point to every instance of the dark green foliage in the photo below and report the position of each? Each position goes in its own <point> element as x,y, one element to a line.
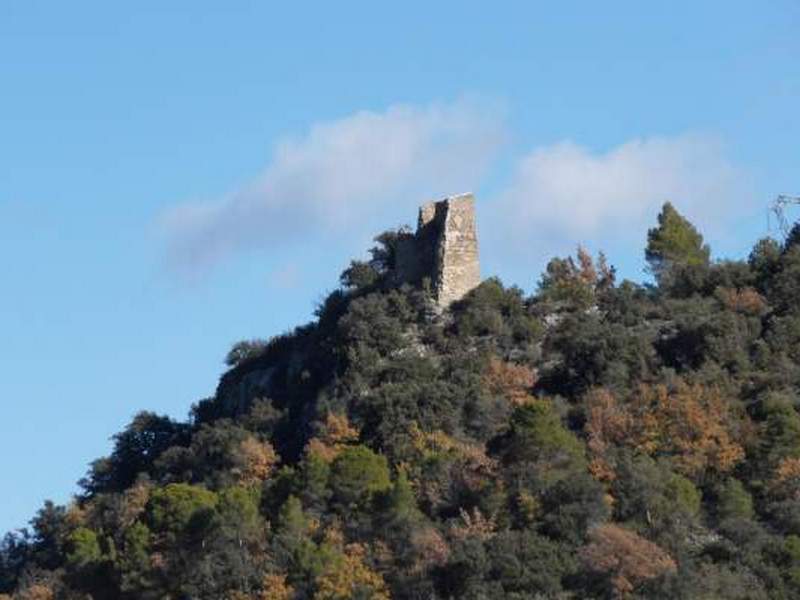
<point>781,423</point>
<point>367,275</point>
<point>700,334</point>
<point>134,558</point>
<point>178,507</point>
<point>499,313</point>
<point>213,457</point>
<point>49,533</point>
<point>571,506</point>
<point>537,436</point>
<point>472,454</point>
<point>244,351</point>
<point>402,506</point>
<point>14,554</point>
<point>83,548</point>
<point>764,262</point>
<point>525,563</point>
<point>293,547</point>
<point>675,250</point>
<point>312,483</point>
<point>734,501</point>
<point>514,564</point>
<point>590,350</point>
<point>357,474</point>
<point>648,493</point>
<point>359,276</point>
<point>561,283</point>
<point>785,285</point>
<point>135,451</point>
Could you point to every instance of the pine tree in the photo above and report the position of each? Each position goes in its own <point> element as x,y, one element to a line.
<point>675,243</point>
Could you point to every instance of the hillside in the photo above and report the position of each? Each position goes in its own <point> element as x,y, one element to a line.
<point>598,439</point>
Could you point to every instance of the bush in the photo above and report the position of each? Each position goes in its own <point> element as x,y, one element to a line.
<point>734,501</point>
<point>357,474</point>
<point>174,507</point>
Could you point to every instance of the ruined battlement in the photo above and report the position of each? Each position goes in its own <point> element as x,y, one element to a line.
<point>443,249</point>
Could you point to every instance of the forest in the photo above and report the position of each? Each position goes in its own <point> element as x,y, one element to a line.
<point>597,439</point>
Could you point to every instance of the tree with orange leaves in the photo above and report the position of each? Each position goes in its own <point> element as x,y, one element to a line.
<point>335,435</point>
<point>346,573</point>
<point>691,424</point>
<point>509,380</point>
<point>576,283</point>
<point>256,459</point>
<point>36,592</point>
<point>786,479</point>
<point>626,557</point>
<point>744,300</point>
<point>607,423</point>
<point>273,587</point>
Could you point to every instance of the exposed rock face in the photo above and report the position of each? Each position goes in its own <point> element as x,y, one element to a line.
<point>444,249</point>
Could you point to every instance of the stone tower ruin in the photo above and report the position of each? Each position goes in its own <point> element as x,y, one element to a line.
<point>444,249</point>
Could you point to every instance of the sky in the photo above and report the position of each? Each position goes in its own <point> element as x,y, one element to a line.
<point>175,177</point>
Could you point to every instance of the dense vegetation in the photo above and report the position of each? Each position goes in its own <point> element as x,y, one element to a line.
<point>596,440</point>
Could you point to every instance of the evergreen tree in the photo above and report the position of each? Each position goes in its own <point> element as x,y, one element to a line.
<point>593,440</point>
<point>674,246</point>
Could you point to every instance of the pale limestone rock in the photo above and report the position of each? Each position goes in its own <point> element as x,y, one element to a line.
<point>443,249</point>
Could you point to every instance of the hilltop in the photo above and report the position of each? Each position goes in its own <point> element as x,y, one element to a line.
<point>432,437</point>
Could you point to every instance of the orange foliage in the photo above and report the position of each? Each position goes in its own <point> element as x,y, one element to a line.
<point>347,575</point>
<point>606,423</point>
<point>788,469</point>
<point>36,592</point>
<point>257,461</point>
<point>628,558</point>
<point>274,587</point>
<point>430,547</point>
<point>469,462</point>
<point>339,431</point>
<point>586,272</point>
<point>510,380</point>
<point>336,434</point>
<point>786,480</point>
<point>316,447</point>
<point>745,300</point>
<point>691,424</point>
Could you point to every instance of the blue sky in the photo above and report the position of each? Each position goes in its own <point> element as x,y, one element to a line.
<point>177,176</point>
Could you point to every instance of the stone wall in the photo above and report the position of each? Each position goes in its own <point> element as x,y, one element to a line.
<point>457,266</point>
<point>443,249</point>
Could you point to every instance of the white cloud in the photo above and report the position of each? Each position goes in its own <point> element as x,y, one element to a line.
<point>325,193</point>
<point>565,194</point>
<point>338,176</point>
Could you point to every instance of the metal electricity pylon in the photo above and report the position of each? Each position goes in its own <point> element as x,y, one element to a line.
<point>778,208</point>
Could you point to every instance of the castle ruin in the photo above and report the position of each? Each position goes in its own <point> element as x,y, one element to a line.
<point>444,249</point>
